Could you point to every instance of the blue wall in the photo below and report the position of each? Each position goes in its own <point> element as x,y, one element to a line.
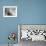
<point>29,12</point>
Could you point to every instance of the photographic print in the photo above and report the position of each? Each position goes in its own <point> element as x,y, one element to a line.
<point>9,11</point>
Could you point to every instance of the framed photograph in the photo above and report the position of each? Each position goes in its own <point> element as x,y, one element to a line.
<point>9,11</point>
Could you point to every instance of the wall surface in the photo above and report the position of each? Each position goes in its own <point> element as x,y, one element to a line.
<point>7,25</point>
<point>29,12</point>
